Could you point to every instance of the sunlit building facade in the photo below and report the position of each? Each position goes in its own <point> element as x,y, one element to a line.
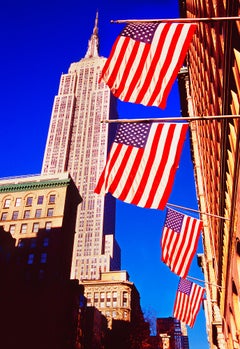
<point>114,295</point>
<point>78,142</point>
<point>212,88</point>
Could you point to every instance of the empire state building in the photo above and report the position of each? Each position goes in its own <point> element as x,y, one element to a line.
<point>78,142</point>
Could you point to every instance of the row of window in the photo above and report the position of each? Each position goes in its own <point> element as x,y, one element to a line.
<point>31,258</point>
<point>26,214</point>
<point>29,201</point>
<point>25,228</point>
<point>33,243</point>
<point>107,299</point>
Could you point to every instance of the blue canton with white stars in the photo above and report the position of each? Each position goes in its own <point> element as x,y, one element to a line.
<point>134,134</point>
<point>174,220</point>
<point>140,31</point>
<point>185,286</point>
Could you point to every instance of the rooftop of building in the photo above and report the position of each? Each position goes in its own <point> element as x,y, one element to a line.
<point>33,181</point>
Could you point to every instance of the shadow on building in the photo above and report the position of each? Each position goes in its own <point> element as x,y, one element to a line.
<point>40,307</point>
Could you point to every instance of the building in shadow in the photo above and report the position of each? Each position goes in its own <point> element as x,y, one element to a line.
<point>40,306</point>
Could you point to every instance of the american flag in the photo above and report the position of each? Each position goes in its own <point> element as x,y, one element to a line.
<point>142,163</point>
<point>145,60</point>
<point>179,241</point>
<point>188,301</point>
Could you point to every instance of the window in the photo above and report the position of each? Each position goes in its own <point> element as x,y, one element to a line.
<point>35,227</point>
<point>114,299</point>
<point>89,299</point>
<point>29,201</point>
<point>48,225</point>
<point>108,303</point>
<point>125,299</point>
<point>18,202</point>
<point>23,228</point>
<point>21,243</point>
<point>96,295</point>
<point>43,258</point>
<point>50,212</point>
<point>33,243</point>
<point>41,274</point>
<point>12,228</point>
<point>15,215</point>
<point>102,300</point>
<point>7,203</point>
<point>38,213</point>
<point>52,199</point>
<point>30,258</point>
<point>45,242</point>
<point>40,200</point>
<point>26,214</point>
<point>4,216</point>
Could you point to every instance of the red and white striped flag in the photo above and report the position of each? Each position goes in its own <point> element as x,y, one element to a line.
<point>179,241</point>
<point>188,301</point>
<point>142,162</point>
<point>145,60</point>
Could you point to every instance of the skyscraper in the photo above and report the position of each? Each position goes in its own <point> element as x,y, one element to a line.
<point>78,142</point>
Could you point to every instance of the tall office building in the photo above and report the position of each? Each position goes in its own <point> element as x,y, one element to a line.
<point>213,89</point>
<point>78,143</point>
<point>172,334</point>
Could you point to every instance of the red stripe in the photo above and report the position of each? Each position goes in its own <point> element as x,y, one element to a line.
<point>154,63</point>
<point>179,248</point>
<point>110,162</point>
<point>106,65</point>
<point>162,164</point>
<point>132,174</point>
<point>193,247</point>
<point>178,65</point>
<point>125,72</point>
<point>145,175</point>
<point>138,72</point>
<point>166,64</point>
<point>120,170</point>
<point>171,178</point>
<point>112,77</point>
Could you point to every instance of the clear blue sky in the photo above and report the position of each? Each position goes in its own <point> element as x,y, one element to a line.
<point>39,40</point>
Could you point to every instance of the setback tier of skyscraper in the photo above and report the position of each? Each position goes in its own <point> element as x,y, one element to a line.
<point>78,143</point>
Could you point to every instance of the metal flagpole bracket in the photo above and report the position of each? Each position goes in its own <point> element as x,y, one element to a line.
<point>177,20</point>
<point>177,118</point>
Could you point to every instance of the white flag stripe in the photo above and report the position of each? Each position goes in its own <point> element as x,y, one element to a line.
<point>170,243</point>
<point>186,250</point>
<point>124,174</point>
<point>183,246</point>
<point>124,61</point>
<point>131,72</point>
<point>104,188</point>
<point>155,164</point>
<point>113,61</point>
<point>174,58</point>
<point>147,65</point>
<point>114,171</point>
<point>143,164</point>
<point>162,59</point>
<point>171,159</point>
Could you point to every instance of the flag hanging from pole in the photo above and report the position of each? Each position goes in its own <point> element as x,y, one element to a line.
<point>142,162</point>
<point>145,60</point>
<point>188,301</point>
<point>179,241</point>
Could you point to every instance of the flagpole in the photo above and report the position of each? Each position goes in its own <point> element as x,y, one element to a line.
<point>200,212</point>
<point>205,282</point>
<point>177,20</point>
<point>177,118</point>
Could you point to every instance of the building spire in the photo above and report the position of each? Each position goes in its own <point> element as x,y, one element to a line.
<point>93,43</point>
